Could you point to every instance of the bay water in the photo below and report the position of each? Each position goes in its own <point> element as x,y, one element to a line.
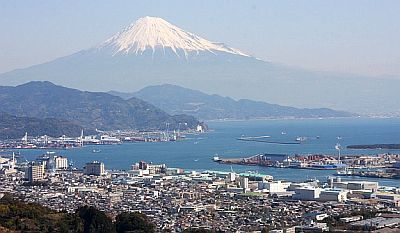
<point>197,150</point>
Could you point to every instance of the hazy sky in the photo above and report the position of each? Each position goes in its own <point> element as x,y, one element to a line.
<point>345,36</point>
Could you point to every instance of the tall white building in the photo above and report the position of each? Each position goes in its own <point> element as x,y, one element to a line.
<point>244,182</point>
<point>61,162</point>
<point>231,177</point>
<point>52,162</point>
<point>94,168</point>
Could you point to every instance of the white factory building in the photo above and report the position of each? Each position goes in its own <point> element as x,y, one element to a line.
<point>333,195</point>
<point>273,186</point>
<point>354,185</point>
<point>7,165</point>
<point>307,193</point>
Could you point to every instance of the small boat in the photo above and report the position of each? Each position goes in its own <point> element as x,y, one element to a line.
<point>310,180</point>
<point>301,139</point>
<point>283,133</point>
<point>216,158</point>
<point>96,151</point>
<point>344,173</point>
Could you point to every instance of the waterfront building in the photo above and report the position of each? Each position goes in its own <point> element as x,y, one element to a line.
<point>35,172</point>
<point>106,139</point>
<point>307,193</point>
<point>231,177</point>
<point>151,168</point>
<point>94,168</point>
<point>356,185</point>
<point>200,128</point>
<point>156,168</point>
<point>333,195</point>
<point>91,139</point>
<point>273,186</point>
<point>61,162</point>
<point>244,183</point>
<point>46,160</point>
<point>7,165</point>
<point>142,165</point>
<point>52,162</point>
<point>365,185</point>
<point>135,167</point>
<point>256,176</point>
<point>174,171</point>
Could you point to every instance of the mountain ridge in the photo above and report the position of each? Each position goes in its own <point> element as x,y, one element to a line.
<point>89,109</point>
<point>13,127</point>
<point>177,100</point>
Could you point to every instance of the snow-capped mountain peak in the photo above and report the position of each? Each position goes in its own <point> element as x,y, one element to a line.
<point>156,33</point>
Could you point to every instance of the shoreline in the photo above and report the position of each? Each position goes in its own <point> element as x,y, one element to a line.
<point>301,118</point>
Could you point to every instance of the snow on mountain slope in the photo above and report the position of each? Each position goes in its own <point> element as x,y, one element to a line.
<point>156,33</point>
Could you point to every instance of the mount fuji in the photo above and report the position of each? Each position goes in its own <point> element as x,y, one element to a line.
<point>159,36</point>
<point>152,51</point>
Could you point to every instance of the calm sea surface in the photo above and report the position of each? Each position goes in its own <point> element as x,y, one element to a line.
<point>196,152</point>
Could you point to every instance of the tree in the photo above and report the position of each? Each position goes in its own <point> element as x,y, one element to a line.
<point>95,221</point>
<point>133,222</point>
<point>71,223</point>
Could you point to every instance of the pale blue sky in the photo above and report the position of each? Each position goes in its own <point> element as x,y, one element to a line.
<point>345,36</point>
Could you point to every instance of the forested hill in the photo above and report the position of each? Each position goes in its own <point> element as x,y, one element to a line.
<point>91,110</point>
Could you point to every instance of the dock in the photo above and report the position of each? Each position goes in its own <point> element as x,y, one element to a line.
<point>259,139</point>
<point>254,160</point>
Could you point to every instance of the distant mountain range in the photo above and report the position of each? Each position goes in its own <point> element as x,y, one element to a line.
<point>91,110</point>
<point>12,127</point>
<point>178,100</point>
<point>41,108</point>
<point>152,51</point>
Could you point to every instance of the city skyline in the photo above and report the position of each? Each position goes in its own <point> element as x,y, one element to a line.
<point>199,116</point>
